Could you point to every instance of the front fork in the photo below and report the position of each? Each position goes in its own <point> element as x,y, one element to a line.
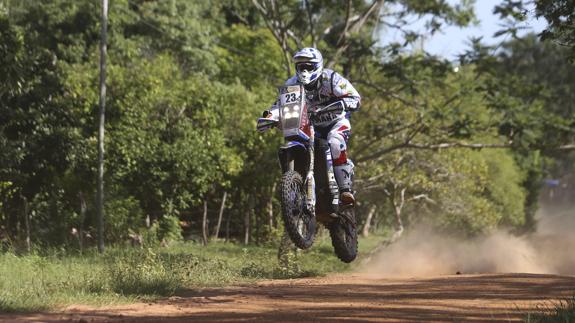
<point>310,180</point>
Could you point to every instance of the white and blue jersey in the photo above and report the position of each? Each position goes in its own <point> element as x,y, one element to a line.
<point>331,87</point>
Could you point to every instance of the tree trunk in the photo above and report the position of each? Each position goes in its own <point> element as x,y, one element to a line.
<point>367,225</point>
<point>205,223</point>
<point>100,193</point>
<point>220,215</point>
<point>27,224</point>
<point>258,226</point>
<point>271,208</point>
<point>228,226</point>
<point>247,217</point>
<point>397,208</point>
<point>12,225</point>
<point>398,225</point>
<point>82,219</point>
<point>247,227</point>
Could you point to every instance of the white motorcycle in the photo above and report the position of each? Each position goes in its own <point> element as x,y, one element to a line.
<point>309,191</point>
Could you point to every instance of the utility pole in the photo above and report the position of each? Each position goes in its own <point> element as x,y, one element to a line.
<point>100,194</point>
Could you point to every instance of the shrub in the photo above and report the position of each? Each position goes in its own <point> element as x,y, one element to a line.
<point>562,312</point>
<point>122,216</point>
<point>169,229</point>
<point>141,273</point>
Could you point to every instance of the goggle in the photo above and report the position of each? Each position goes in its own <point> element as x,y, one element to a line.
<point>300,67</point>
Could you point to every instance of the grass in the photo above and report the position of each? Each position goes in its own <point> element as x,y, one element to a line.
<point>53,279</point>
<point>561,312</point>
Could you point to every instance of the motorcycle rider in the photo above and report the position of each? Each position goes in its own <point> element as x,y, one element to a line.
<point>323,87</point>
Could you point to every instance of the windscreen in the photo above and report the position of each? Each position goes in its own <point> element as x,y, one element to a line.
<point>290,109</point>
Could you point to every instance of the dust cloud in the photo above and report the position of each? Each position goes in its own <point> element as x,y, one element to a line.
<point>423,252</point>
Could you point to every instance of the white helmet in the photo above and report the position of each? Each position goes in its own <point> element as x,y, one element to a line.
<point>308,65</point>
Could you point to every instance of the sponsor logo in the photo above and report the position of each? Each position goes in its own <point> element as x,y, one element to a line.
<point>326,117</point>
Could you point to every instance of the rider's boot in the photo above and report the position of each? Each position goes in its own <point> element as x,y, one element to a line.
<point>344,178</point>
<point>347,198</point>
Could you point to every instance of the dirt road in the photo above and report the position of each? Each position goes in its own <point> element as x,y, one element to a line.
<point>353,298</point>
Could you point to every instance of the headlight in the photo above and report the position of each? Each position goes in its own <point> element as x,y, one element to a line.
<point>290,117</point>
<point>291,112</point>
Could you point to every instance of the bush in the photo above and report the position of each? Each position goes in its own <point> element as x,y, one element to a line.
<point>169,229</point>
<point>141,273</point>
<point>253,270</point>
<point>122,216</point>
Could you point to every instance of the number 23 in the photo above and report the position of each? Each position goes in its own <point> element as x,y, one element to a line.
<point>290,97</point>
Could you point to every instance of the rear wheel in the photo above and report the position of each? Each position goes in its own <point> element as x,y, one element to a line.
<point>300,224</point>
<point>343,235</point>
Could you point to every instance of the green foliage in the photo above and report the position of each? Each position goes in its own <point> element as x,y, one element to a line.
<point>530,82</point>
<point>186,81</point>
<point>539,72</point>
<point>560,16</point>
<point>169,229</point>
<point>560,312</point>
<point>45,282</point>
<point>462,190</point>
<point>250,56</point>
<point>164,143</point>
<point>504,186</point>
<point>122,215</point>
<point>482,191</point>
<point>56,279</point>
<point>141,273</point>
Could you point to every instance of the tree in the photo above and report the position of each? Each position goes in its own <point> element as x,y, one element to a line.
<point>344,33</point>
<point>560,16</point>
<point>187,81</point>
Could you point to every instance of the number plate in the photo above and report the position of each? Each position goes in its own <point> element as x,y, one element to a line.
<point>290,94</point>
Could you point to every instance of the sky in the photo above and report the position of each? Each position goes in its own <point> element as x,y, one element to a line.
<point>452,41</point>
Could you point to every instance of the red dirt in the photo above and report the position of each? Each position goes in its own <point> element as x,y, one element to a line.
<point>352,298</point>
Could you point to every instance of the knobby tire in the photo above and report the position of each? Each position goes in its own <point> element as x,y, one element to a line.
<point>343,233</point>
<point>293,210</point>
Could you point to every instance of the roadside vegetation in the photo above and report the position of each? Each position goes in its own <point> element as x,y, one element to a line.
<point>560,312</point>
<point>54,278</point>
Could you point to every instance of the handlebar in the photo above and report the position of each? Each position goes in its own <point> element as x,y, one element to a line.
<point>266,124</point>
<point>337,107</point>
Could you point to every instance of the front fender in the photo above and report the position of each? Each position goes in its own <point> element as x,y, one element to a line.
<point>296,151</point>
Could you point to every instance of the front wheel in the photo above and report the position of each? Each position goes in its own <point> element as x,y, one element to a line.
<point>299,224</point>
<point>343,235</point>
